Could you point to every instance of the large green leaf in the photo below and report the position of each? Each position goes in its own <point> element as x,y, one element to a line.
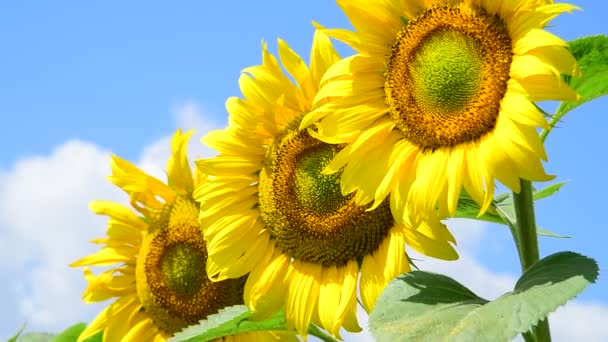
<point>547,285</point>
<point>427,306</point>
<point>421,306</point>
<point>591,53</point>
<point>70,334</point>
<point>229,321</point>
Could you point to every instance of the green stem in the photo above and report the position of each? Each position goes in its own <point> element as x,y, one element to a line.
<point>527,243</point>
<point>315,331</point>
<point>528,336</point>
<point>527,238</point>
<point>554,119</point>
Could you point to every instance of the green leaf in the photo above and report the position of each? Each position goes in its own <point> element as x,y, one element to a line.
<point>70,334</point>
<point>95,338</point>
<point>16,336</point>
<point>502,210</point>
<point>544,287</point>
<point>36,337</point>
<point>591,54</point>
<point>550,190</point>
<point>468,208</point>
<point>229,321</point>
<point>428,306</point>
<point>421,306</point>
<point>548,233</point>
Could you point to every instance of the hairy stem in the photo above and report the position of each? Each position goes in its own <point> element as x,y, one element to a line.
<point>527,243</point>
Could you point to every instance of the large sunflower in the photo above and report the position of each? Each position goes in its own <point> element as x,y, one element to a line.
<point>269,211</point>
<point>439,97</point>
<point>157,260</point>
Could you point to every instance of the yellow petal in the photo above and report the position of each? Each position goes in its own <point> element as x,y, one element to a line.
<point>440,249</point>
<point>179,174</point>
<point>245,115</point>
<point>536,38</point>
<point>542,88</point>
<point>342,124</point>
<point>530,65</point>
<point>539,18</point>
<point>224,142</point>
<point>329,297</point>
<point>108,313</point>
<point>345,36</point>
<point>303,295</point>
<point>368,82</point>
<point>402,167</point>
<point>454,171</point>
<point>265,288</point>
<point>117,213</point>
<point>252,256</point>
<point>298,69</point>
<point>518,108</point>
<point>474,175</point>
<point>380,267</point>
<point>226,165</point>
<point>373,19</point>
<point>365,174</point>
<point>107,256</point>
<point>431,178</point>
<point>143,330</point>
<point>348,299</point>
<point>559,57</point>
<point>492,153</point>
<point>118,326</point>
<point>322,56</point>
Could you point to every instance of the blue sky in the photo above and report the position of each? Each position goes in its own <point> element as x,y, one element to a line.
<point>81,80</point>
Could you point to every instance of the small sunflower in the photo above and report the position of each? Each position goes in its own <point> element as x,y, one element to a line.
<point>157,260</point>
<point>439,97</point>
<point>269,210</point>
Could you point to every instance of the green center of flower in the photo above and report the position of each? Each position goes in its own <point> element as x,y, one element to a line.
<point>317,192</point>
<point>172,284</point>
<point>305,211</point>
<point>447,72</point>
<point>181,268</point>
<point>446,76</point>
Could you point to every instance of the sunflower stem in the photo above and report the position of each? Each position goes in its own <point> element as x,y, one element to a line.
<point>320,334</point>
<point>528,336</point>
<point>554,119</point>
<point>527,243</point>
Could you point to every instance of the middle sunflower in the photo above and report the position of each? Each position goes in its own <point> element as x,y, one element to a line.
<point>270,211</point>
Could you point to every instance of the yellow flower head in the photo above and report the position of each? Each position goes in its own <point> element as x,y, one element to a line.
<point>157,260</point>
<point>270,211</point>
<point>439,97</point>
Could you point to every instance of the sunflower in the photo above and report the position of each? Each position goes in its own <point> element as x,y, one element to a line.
<point>439,97</point>
<point>270,212</point>
<point>157,260</point>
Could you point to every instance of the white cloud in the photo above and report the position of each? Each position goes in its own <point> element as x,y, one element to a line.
<point>580,321</point>
<point>45,224</point>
